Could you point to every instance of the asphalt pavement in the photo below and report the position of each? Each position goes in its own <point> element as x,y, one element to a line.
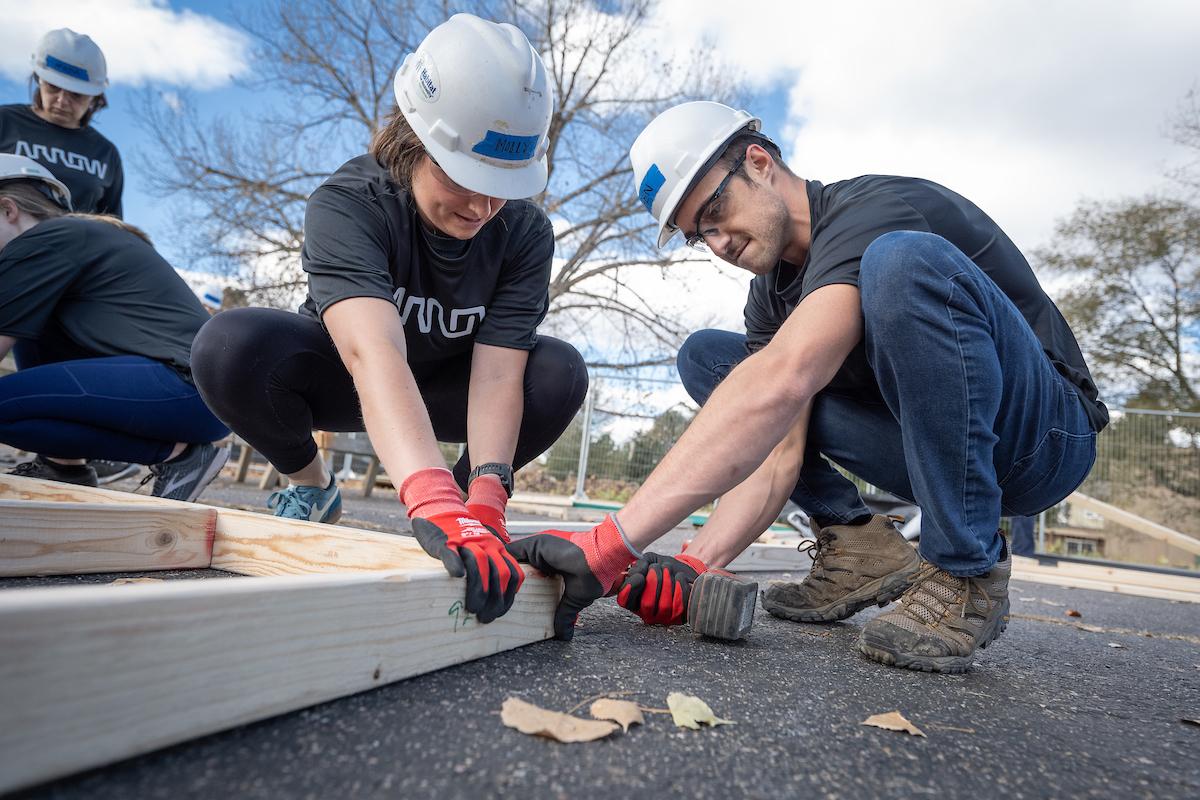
<point>1050,710</point>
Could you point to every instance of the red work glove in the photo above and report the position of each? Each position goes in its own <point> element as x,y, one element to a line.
<point>657,587</point>
<point>447,531</point>
<point>591,563</point>
<point>486,502</point>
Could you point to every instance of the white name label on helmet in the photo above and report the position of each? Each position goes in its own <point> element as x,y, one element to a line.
<point>427,78</point>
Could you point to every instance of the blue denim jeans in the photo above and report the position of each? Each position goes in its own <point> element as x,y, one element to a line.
<point>126,408</point>
<point>975,422</point>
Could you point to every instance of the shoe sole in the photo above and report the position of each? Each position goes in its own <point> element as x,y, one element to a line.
<point>880,592</point>
<point>334,513</point>
<point>953,665</point>
<point>214,469</point>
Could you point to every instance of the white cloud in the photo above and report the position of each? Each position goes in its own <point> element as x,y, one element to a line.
<point>1023,106</point>
<point>144,41</point>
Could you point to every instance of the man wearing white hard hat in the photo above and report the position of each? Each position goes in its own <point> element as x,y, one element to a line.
<point>428,276</point>
<point>55,129</point>
<point>892,328</point>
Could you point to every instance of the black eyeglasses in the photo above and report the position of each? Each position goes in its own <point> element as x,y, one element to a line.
<point>696,240</point>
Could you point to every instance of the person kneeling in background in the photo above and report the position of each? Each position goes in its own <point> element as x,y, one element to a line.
<point>106,327</point>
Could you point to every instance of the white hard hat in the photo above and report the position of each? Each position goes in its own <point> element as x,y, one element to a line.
<point>212,296</point>
<point>678,148</point>
<point>14,167</point>
<point>71,61</point>
<point>477,96</point>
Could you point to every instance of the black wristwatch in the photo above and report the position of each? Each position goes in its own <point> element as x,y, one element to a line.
<point>502,471</point>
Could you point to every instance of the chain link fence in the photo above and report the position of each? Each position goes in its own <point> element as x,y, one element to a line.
<point>1148,463</point>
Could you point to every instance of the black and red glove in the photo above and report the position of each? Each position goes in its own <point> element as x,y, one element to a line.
<point>486,502</point>
<point>657,587</point>
<point>447,531</point>
<point>591,563</point>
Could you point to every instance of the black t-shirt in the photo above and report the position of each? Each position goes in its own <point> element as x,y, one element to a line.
<point>81,158</point>
<point>363,238</point>
<point>103,289</point>
<point>847,216</point>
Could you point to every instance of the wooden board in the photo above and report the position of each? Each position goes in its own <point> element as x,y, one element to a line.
<point>1141,583</point>
<point>44,538</point>
<point>255,544</point>
<point>1136,523</point>
<point>91,675</point>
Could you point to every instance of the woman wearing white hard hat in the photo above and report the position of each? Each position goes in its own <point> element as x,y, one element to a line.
<point>428,277</point>
<point>106,327</point>
<point>68,83</point>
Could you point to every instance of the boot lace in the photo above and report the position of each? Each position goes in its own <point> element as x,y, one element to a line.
<point>817,550</point>
<point>934,591</point>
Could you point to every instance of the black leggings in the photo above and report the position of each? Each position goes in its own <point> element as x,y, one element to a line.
<point>275,376</point>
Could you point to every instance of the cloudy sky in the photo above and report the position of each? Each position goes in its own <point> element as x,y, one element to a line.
<point>1024,106</point>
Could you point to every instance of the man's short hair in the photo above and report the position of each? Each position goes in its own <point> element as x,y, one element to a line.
<point>737,148</point>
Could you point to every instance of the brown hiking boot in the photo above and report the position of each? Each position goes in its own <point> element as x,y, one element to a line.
<point>940,621</point>
<point>854,566</point>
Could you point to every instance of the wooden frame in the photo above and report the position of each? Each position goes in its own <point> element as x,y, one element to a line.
<point>39,538</point>
<point>94,674</point>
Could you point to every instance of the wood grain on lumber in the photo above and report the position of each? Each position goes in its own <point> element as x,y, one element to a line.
<point>256,544</point>
<point>48,538</point>
<point>92,675</point>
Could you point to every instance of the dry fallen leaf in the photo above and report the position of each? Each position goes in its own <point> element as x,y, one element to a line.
<point>1190,721</point>
<point>893,721</point>
<point>123,581</point>
<point>1070,612</point>
<point>620,711</point>
<point>689,711</point>
<point>528,718</point>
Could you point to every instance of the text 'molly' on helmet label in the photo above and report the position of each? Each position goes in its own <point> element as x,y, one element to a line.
<point>506,147</point>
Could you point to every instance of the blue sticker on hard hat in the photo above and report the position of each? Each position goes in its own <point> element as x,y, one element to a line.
<point>507,147</point>
<point>653,181</point>
<point>65,68</point>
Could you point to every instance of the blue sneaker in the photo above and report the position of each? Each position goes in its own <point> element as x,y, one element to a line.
<point>308,502</point>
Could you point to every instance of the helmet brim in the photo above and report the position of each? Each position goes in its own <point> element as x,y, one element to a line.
<point>505,183</point>
<point>67,82</point>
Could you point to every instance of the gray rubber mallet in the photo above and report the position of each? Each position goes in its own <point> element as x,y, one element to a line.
<point>722,605</point>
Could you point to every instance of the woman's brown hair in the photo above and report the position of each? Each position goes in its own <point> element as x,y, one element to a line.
<point>27,197</point>
<point>398,149</point>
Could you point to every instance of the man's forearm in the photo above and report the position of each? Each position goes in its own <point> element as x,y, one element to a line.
<point>727,442</point>
<point>749,508</point>
<point>748,414</point>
